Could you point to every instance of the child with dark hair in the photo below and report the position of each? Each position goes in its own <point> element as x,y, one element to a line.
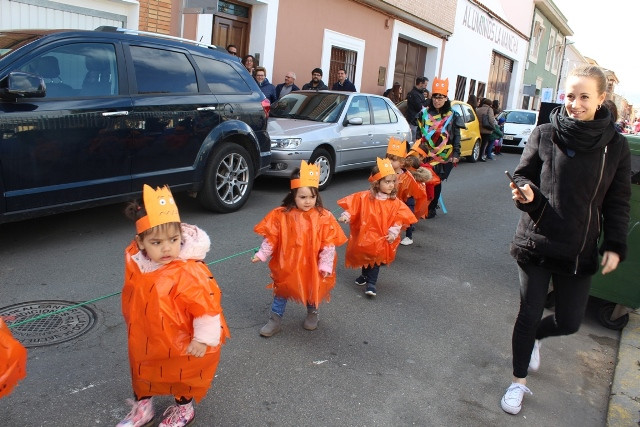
<point>301,237</point>
<point>171,305</point>
<point>376,217</point>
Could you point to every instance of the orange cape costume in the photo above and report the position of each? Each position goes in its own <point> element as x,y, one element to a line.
<point>159,308</point>
<point>409,187</point>
<point>369,223</point>
<point>297,238</point>
<point>13,361</point>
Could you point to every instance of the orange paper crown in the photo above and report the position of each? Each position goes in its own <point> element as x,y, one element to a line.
<point>416,149</point>
<point>309,176</point>
<point>397,147</point>
<point>160,207</point>
<point>440,86</point>
<point>385,169</point>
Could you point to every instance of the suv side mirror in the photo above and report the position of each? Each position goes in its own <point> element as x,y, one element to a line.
<point>22,85</point>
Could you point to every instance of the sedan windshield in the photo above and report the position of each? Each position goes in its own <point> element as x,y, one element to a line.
<point>314,106</point>
<point>520,117</point>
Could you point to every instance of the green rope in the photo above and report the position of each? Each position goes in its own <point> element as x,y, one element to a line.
<point>42,316</point>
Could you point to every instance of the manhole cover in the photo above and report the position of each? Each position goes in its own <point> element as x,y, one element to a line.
<point>39,323</point>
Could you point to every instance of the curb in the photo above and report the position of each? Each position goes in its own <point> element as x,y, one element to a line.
<point>624,401</point>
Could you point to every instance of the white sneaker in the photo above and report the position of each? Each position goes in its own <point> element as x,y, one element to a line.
<point>512,400</point>
<point>534,362</point>
<point>406,241</point>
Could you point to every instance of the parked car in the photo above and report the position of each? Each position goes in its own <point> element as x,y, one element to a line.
<point>338,131</point>
<point>87,117</point>
<point>518,126</point>
<point>470,139</point>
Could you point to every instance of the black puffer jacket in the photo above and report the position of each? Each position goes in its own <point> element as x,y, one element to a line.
<point>580,174</point>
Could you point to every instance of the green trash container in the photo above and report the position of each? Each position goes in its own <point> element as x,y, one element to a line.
<point>620,290</point>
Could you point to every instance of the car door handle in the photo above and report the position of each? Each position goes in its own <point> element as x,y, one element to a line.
<point>206,108</point>
<point>115,113</point>
<point>465,139</point>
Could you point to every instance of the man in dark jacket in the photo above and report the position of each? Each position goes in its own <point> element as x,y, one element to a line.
<point>316,82</point>
<point>415,102</point>
<point>343,84</point>
<point>288,86</point>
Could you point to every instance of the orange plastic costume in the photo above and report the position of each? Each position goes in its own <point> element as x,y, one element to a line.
<point>408,187</point>
<point>13,361</point>
<point>370,220</point>
<point>297,238</point>
<point>159,308</point>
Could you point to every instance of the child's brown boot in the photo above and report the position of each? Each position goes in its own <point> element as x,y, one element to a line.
<point>272,327</point>
<point>311,321</point>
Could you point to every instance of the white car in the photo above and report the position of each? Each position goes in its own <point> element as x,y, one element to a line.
<point>338,131</point>
<point>518,126</point>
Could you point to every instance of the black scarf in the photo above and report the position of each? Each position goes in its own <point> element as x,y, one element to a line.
<point>573,135</point>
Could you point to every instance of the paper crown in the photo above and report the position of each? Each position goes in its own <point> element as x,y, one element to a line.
<point>440,86</point>
<point>160,207</point>
<point>416,149</point>
<point>397,147</point>
<point>385,169</point>
<point>309,176</point>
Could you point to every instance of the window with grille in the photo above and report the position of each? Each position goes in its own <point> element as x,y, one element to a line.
<point>461,84</point>
<point>342,58</point>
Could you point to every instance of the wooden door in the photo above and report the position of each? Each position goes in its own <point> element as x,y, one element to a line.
<point>228,31</point>
<point>410,61</point>
<point>499,79</point>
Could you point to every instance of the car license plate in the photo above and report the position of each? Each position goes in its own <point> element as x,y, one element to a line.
<point>509,137</point>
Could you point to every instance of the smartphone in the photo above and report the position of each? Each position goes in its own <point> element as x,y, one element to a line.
<point>514,183</point>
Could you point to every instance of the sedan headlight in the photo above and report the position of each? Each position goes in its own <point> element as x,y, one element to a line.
<point>285,143</point>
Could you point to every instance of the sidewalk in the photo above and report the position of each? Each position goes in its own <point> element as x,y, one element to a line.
<point>624,403</point>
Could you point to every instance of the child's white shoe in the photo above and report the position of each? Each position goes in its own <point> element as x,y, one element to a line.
<point>406,241</point>
<point>534,362</point>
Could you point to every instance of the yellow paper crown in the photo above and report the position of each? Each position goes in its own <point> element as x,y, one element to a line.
<point>160,207</point>
<point>397,147</point>
<point>309,176</point>
<point>440,86</point>
<point>385,169</point>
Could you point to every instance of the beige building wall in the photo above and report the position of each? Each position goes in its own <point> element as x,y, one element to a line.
<point>438,12</point>
<point>300,34</point>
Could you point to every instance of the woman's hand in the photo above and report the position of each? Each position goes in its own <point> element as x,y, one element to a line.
<point>196,348</point>
<point>515,194</point>
<point>609,262</point>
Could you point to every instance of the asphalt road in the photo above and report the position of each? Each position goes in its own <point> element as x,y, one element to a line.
<point>432,349</point>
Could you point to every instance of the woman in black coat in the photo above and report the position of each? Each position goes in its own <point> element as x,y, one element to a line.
<point>575,174</point>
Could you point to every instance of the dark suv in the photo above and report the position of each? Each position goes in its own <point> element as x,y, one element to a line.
<point>87,117</point>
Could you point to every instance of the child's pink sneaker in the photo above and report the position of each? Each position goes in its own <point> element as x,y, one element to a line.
<point>178,415</point>
<point>141,414</point>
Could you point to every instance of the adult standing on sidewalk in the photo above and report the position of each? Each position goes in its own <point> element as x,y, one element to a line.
<point>415,102</point>
<point>485,132</point>
<point>343,84</point>
<point>316,82</point>
<point>575,176</point>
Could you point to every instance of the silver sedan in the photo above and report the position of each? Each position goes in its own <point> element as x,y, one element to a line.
<point>338,131</point>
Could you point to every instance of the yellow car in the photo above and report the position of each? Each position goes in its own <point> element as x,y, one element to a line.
<point>470,140</point>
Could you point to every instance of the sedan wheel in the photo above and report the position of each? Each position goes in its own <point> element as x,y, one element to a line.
<point>323,159</point>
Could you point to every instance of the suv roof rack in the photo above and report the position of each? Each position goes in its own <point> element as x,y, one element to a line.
<point>106,28</point>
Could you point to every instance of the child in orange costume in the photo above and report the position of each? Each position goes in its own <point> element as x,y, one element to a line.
<point>409,191</point>
<point>13,361</point>
<point>301,238</point>
<point>171,304</point>
<point>376,218</point>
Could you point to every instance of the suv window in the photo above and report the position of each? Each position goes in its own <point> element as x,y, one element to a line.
<point>78,69</point>
<point>221,77</point>
<point>163,71</point>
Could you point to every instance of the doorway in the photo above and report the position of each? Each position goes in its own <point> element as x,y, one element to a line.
<point>410,62</point>
<point>232,27</point>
